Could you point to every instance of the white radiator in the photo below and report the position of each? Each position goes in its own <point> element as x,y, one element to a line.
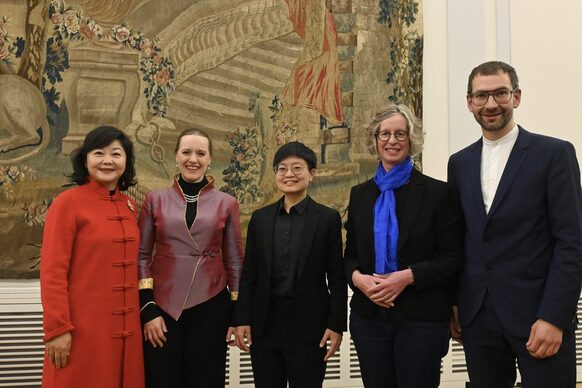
<point>21,348</point>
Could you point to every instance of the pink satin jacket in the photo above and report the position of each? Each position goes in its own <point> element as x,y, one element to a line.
<point>189,266</point>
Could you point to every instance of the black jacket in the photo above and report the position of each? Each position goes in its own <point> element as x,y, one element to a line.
<point>429,243</point>
<point>320,297</point>
<point>526,252</point>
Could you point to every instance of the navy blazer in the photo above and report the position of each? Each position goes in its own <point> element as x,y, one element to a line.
<point>320,297</point>
<point>429,243</point>
<point>526,253</point>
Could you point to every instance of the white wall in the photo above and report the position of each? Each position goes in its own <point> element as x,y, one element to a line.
<point>541,40</point>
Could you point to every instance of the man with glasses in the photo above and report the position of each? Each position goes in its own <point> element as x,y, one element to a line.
<point>521,200</point>
<point>293,295</point>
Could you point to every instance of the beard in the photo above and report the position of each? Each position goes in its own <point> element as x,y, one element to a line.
<point>500,122</point>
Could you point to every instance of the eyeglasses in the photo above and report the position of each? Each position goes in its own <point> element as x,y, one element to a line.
<point>295,170</point>
<point>385,135</point>
<point>501,96</point>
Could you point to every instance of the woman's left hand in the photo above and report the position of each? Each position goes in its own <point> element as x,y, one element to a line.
<point>335,340</point>
<point>390,286</point>
<point>155,331</point>
<point>58,350</point>
<point>231,336</point>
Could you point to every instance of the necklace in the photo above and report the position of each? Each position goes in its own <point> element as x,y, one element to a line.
<point>191,198</point>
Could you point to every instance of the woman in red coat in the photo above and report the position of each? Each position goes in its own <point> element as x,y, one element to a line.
<point>88,274</point>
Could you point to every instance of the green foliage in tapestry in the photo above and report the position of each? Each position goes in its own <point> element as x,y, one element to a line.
<point>406,48</point>
<point>398,11</point>
<point>241,177</point>
<point>9,45</point>
<point>57,60</point>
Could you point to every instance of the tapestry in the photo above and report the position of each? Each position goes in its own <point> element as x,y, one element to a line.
<point>253,74</point>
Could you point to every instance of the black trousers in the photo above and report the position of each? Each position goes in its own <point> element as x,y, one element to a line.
<point>491,353</point>
<point>194,355</point>
<point>399,353</point>
<point>281,354</point>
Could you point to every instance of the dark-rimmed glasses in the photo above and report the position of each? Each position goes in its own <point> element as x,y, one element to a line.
<point>501,96</point>
<point>386,135</point>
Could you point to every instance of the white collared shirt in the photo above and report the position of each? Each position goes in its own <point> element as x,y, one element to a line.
<point>494,157</point>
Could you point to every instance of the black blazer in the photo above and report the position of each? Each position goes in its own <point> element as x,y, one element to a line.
<point>320,298</point>
<point>429,244</point>
<point>526,252</point>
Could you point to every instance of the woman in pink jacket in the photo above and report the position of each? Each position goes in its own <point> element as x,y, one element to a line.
<point>190,261</point>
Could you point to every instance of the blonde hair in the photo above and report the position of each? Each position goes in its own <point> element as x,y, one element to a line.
<point>413,124</point>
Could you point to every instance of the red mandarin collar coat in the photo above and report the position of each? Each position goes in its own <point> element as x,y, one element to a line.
<point>88,278</point>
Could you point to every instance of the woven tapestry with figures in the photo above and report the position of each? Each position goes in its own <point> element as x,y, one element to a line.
<point>254,74</point>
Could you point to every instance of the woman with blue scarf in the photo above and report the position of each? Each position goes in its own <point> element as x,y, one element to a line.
<point>403,249</point>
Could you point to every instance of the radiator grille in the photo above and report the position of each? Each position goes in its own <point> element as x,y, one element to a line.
<point>245,370</point>
<point>21,349</point>
<point>332,371</point>
<point>458,357</point>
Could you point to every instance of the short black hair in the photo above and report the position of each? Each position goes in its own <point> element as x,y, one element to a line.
<point>101,137</point>
<point>492,68</point>
<point>298,150</point>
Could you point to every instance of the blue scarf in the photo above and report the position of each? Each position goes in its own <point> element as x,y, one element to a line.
<point>385,222</point>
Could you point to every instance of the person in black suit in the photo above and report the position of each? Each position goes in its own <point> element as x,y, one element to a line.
<point>403,248</point>
<point>293,294</point>
<point>521,200</point>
